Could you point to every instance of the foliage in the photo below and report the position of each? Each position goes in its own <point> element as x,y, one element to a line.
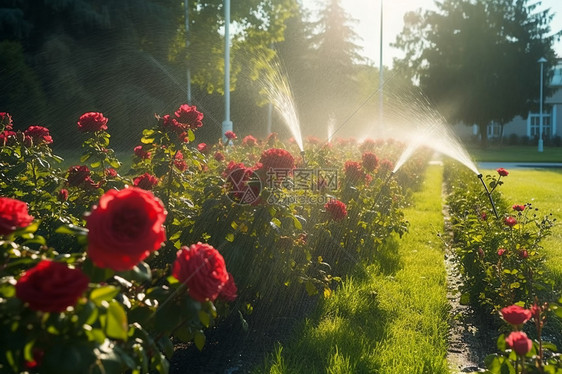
<point>519,354</point>
<point>501,259</point>
<point>467,54</point>
<point>275,247</point>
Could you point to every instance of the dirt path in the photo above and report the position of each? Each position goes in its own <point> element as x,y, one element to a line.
<point>469,340</point>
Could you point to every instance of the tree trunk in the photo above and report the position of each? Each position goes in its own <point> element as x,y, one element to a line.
<point>483,129</point>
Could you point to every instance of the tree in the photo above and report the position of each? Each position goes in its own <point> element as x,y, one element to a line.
<point>476,60</point>
<point>127,58</point>
<point>335,64</point>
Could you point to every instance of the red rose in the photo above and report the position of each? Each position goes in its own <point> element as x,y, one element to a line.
<point>501,251</point>
<point>145,181</point>
<point>91,122</point>
<point>386,165</point>
<point>370,161</point>
<point>518,207</point>
<point>124,228</point>
<point>230,135</point>
<point>13,215</point>
<point>250,141</point>
<point>39,134</point>
<point>7,137</point>
<point>515,314</point>
<point>523,254</point>
<point>353,171</point>
<point>510,221</point>
<point>140,152</point>
<point>502,172</point>
<point>201,267</point>
<point>171,124</point>
<point>276,158</point>
<point>78,176</point>
<point>51,286</point>
<point>229,290</point>
<point>203,148</point>
<point>6,120</point>
<point>62,195</point>
<point>110,172</point>
<point>179,162</point>
<point>189,116</point>
<point>219,156</point>
<point>484,216</point>
<point>519,342</point>
<point>336,209</point>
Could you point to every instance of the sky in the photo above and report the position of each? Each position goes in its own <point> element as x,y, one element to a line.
<point>367,16</point>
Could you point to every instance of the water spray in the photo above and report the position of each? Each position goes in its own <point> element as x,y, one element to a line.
<point>383,186</point>
<point>489,195</point>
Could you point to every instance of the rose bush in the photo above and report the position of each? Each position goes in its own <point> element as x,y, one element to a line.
<point>141,289</point>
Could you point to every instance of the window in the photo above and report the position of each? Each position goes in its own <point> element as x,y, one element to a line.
<point>535,124</point>
<point>494,130</point>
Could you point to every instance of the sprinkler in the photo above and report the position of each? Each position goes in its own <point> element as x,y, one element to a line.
<point>303,159</point>
<point>489,195</point>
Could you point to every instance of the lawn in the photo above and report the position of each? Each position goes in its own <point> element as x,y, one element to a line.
<point>515,154</point>
<point>542,189</point>
<point>387,317</point>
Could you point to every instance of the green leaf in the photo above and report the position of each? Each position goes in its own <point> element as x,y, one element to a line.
<point>204,318</point>
<point>106,293</point>
<point>276,222</point>
<point>166,346</point>
<point>147,140</point>
<point>85,157</point>
<point>501,343</point>
<point>71,229</point>
<point>310,288</point>
<point>116,325</point>
<point>297,223</point>
<point>95,273</point>
<point>199,339</point>
<point>230,237</point>
<point>140,273</point>
<point>190,135</point>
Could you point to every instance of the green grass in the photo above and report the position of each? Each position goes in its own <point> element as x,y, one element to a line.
<point>516,154</point>
<point>387,318</point>
<point>541,188</point>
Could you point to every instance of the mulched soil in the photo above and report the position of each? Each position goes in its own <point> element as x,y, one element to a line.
<point>231,349</point>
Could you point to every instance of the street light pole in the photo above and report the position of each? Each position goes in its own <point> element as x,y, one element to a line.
<point>541,61</point>
<point>227,123</point>
<point>381,114</point>
<point>188,72</point>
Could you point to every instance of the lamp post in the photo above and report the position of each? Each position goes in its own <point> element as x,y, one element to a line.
<point>381,114</point>
<point>541,61</point>
<point>188,73</point>
<point>227,123</point>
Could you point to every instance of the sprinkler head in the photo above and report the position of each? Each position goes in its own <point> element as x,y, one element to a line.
<point>303,159</point>
<point>479,176</point>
